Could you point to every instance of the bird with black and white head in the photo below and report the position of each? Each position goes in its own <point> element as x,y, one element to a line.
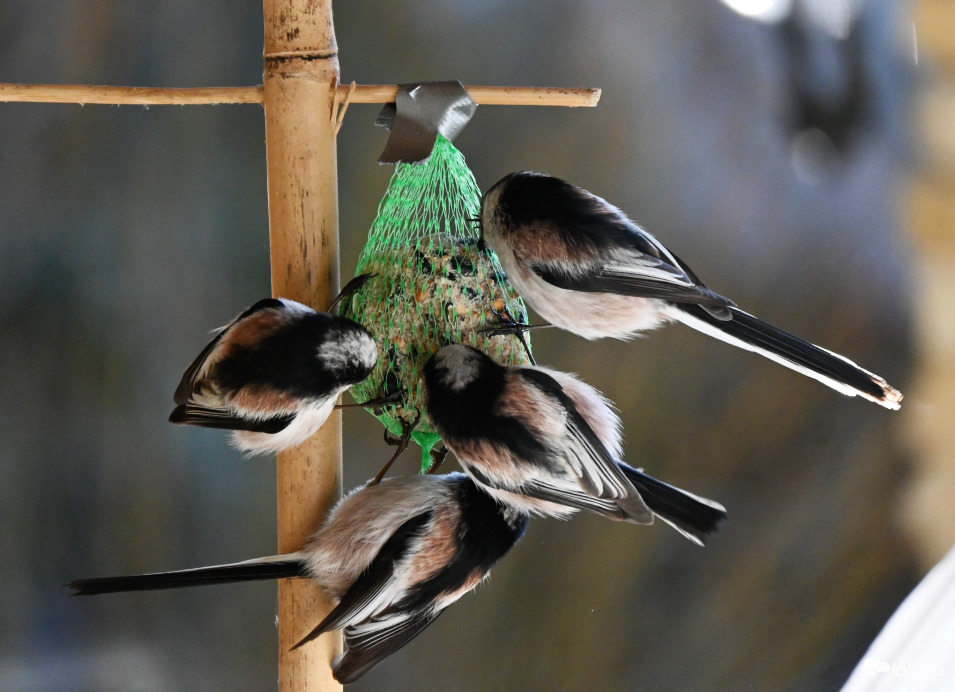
<point>546,443</point>
<point>391,556</point>
<point>273,374</point>
<point>584,266</point>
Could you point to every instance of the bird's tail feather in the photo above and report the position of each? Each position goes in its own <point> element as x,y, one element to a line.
<point>752,334</point>
<point>693,516</point>
<point>274,567</point>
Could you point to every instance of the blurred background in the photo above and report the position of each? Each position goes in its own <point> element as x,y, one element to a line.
<point>800,156</point>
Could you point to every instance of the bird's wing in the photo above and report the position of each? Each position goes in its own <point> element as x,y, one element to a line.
<point>375,589</point>
<point>191,375</point>
<point>578,499</point>
<point>630,273</point>
<point>591,246</point>
<point>368,644</point>
<point>596,471</point>
<point>193,414</point>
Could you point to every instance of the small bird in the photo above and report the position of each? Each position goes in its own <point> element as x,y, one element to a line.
<point>586,267</point>
<point>547,443</point>
<point>273,374</point>
<point>392,556</point>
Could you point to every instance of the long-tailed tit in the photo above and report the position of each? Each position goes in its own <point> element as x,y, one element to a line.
<point>273,375</point>
<point>546,443</point>
<point>392,557</point>
<point>587,268</point>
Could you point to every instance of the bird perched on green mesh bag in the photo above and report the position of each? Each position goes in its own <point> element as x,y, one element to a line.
<point>273,374</point>
<point>586,267</point>
<point>547,443</point>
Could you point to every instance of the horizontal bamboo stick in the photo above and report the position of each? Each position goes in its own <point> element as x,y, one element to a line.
<point>487,95</point>
<point>120,95</point>
<point>362,93</point>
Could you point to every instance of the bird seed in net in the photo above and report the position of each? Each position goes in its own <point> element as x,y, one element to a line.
<point>431,286</point>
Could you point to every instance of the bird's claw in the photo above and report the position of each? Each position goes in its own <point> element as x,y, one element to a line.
<point>508,326</point>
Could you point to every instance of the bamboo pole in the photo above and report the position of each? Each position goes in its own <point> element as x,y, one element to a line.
<point>362,93</point>
<point>301,73</point>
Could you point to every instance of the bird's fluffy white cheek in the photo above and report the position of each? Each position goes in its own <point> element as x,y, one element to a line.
<point>590,315</point>
<point>305,424</point>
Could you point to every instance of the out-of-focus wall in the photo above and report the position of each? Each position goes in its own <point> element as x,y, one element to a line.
<point>930,210</point>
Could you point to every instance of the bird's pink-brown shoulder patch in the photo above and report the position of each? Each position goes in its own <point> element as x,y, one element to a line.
<point>252,329</point>
<point>261,398</point>
<point>541,242</point>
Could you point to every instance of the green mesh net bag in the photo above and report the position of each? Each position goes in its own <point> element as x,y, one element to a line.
<point>431,286</point>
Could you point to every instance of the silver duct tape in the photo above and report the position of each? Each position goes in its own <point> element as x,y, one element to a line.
<point>421,111</point>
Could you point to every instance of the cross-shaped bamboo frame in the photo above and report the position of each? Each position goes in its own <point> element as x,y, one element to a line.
<point>304,104</point>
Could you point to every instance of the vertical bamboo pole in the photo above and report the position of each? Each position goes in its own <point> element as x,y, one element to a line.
<point>301,72</point>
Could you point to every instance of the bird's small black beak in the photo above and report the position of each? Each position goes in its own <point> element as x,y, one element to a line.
<point>481,244</point>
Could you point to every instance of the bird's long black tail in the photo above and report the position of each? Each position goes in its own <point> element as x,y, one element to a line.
<point>275,567</point>
<point>693,516</point>
<point>752,334</point>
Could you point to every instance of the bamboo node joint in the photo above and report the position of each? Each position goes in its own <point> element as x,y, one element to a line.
<point>306,55</point>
